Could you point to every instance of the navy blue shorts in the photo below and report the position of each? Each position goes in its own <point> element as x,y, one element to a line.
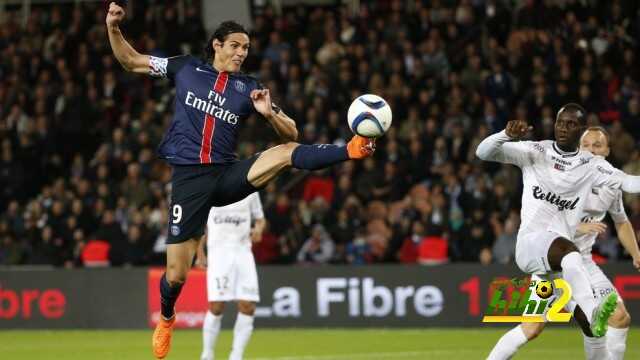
<point>196,188</point>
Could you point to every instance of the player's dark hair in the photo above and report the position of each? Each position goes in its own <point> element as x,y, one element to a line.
<point>224,29</point>
<point>580,112</point>
<point>601,129</point>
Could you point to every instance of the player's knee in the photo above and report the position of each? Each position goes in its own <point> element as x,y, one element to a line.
<point>620,318</point>
<point>247,307</point>
<point>216,308</point>
<point>532,330</point>
<point>285,151</point>
<point>560,248</point>
<point>176,275</point>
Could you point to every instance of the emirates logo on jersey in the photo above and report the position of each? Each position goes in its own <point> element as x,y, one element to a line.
<point>557,200</point>
<point>212,106</point>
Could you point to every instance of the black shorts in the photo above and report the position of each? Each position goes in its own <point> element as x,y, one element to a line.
<point>196,188</point>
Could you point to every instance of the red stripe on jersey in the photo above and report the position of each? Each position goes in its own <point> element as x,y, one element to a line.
<point>209,126</point>
<point>207,136</point>
<point>221,82</point>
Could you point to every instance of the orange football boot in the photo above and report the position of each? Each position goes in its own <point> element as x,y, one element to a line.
<point>360,147</point>
<point>161,340</point>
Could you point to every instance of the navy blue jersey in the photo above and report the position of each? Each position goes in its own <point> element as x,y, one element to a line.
<point>209,108</point>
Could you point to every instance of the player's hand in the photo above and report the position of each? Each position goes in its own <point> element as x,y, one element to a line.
<point>256,236</point>
<point>517,129</point>
<point>201,259</point>
<point>115,14</point>
<point>591,228</point>
<point>201,262</point>
<point>262,102</point>
<point>636,263</point>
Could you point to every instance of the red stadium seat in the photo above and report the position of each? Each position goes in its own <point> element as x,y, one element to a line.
<point>95,253</point>
<point>433,250</point>
<point>598,259</point>
<point>317,186</point>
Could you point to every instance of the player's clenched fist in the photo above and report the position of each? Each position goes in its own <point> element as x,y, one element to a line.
<point>115,14</point>
<point>517,129</point>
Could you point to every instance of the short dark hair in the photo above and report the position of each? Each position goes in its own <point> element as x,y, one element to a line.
<point>224,29</point>
<point>580,112</point>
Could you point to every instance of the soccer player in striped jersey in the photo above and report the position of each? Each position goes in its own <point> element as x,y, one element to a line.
<point>213,98</point>
<point>601,200</point>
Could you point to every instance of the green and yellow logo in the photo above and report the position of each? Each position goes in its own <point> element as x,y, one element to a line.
<point>526,300</point>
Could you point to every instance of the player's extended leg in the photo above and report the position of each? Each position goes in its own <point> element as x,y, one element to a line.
<point>179,259</point>
<point>211,329</point>
<point>273,161</point>
<point>510,342</point>
<point>595,348</point>
<point>243,328</point>
<point>617,334</point>
<point>564,256</point>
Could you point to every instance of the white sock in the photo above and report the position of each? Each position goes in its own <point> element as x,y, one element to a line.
<point>210,331</point>
<point>616,342</point>
<point>241,335</point>
<point>508,344</point>
<point>574,273</point>
<point>595,348</point>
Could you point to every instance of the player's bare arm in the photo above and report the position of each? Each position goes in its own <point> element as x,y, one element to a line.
<point>284,126</point>
<point>201,256</point>
<point>127,56</point>
<point>627,236</point>
<point>257,230</point>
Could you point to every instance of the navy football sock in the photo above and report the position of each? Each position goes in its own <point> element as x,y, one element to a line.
<point>168,297</point>
<point>318,156</point>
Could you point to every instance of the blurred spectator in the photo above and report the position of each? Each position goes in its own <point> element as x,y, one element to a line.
<point>267,249</point>
<point>504,249</point>
<point>318,249</point>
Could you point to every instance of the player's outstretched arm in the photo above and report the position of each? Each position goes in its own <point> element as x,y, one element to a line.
<point>628,183</point>
<point>127,56</point>
<point>627,237</point>
<point>495,147</point>
<point>284,126</point>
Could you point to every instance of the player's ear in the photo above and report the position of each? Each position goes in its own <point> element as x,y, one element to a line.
<point>217,43</point>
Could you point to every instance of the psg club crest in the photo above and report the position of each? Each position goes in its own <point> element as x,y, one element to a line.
<point>240,86</point>
<point>175,230</point>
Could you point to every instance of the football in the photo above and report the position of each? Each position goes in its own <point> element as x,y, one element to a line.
<point>544,289</point>
<point>369,116</point>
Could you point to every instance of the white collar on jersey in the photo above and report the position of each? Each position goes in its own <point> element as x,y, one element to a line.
<point>564,153</point>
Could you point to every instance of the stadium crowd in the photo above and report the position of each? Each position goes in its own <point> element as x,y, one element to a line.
<point>80,184</point>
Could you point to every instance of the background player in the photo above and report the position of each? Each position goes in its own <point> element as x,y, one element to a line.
<point>557,179</point>
<point>231,270</point>
<point>212,99</point>
<point>602,200</point>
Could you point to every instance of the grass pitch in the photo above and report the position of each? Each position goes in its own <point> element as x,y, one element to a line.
<point>298,344</point>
